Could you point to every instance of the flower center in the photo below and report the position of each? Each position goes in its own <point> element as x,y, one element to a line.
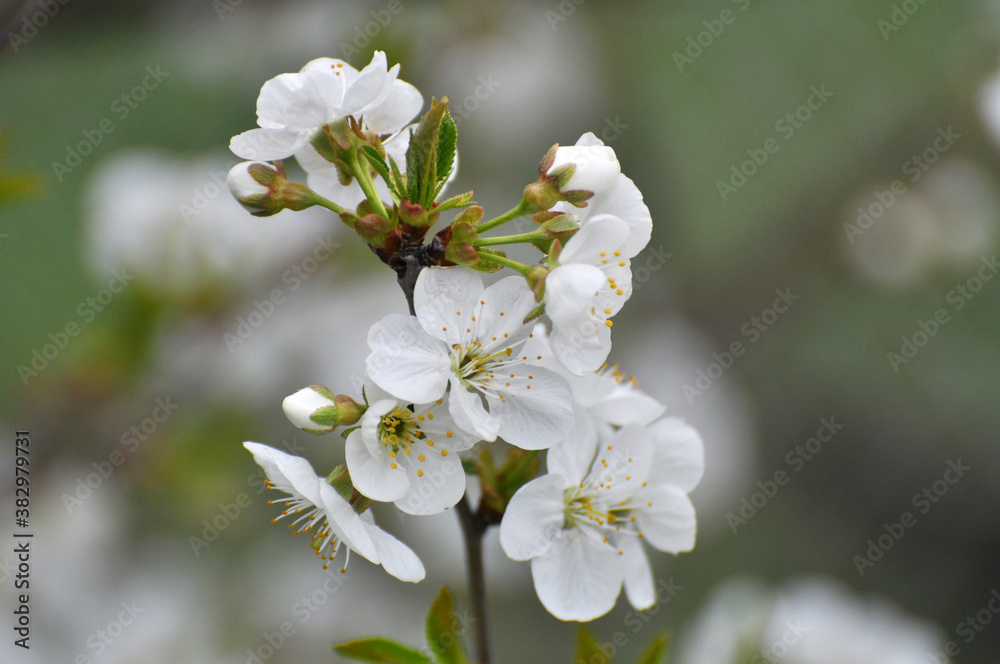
<point>399,429</point>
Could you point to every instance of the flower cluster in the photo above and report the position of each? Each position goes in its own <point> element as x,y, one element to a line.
<point>473,363</point>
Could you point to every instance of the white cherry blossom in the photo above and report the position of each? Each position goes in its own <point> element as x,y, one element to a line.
<point>622,199</point>
<point>582,524</point>
<point>407,454</point>
<point>595,166</point>
<point>316,508</point>
<point>292,108</point>
<point>469,340</point>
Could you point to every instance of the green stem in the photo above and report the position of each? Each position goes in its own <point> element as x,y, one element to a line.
<point>508,239</point>
<point>367,184</point>
<point>473,528</point>
<point>328,204</point>
<point>519,211</point>
<point>507,262</point>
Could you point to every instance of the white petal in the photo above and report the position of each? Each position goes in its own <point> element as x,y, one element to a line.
<point>578,355</point>
<point>346,523</point>
<point>578,578</point>
<point>267,144</point>
<point>622,464</point>
<point>374,476</point>
<point>287,471</point>
<point>571,293</point>
<point>639,586</point>
<point>601,233</point>
<point>442,428</point>
<point>401,106</point>
<point>669,523</point>
<point>572,456</point>
<point>405,361</point>
<point>370,421</point>
<point>624,200</point>
<point>300,101</point>
<point>536,411</point>
<point>534,517</point>
<point>589,138</point>
<point>679,457</point>
<point>395,557</point>
<point>467,410</point>
<point>438,487</point>
<point>626,405</point>
<point>504,307</point>
<point>446,300</point>
<point>371,84</point>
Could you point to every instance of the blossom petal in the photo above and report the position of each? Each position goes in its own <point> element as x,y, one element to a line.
<point>536,410</point>
<point>440,426</point>
<point>679,457</point>
<point>467,410</point>
<point>601,233</point>
<point>623,463</point>
<point>267,144</point>
<point>639,586</point>
<point>287,471</point>
<point>346,523</point>
<point>370,87</point>
<point>405,361</point>
<point>373,476</point>
<point>436,483</point>
<point>446,300</point>
<point>394,556</point>
<point>504,307</point>
<point>572,456</point>
<point>578,578</point>
<point>667,519</point>
<point>627,405</point>
<point>624,200</point>
<point>534,517</point>
<point>304,100</point>
<point>577,356</point>
<point>401,106</point>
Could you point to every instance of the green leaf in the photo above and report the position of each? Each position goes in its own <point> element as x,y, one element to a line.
<point>421,156</point>
<point>378,163</point>
<point>447,148</point>
<point>397,176</point>
<point>655,652</point>
<point>588,649</point>
<point>443,630</point>
<point>379,649</point>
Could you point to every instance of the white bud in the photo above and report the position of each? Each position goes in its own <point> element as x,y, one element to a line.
<point>596,167</point>
<point>300,407</point>
<point>242,183</point>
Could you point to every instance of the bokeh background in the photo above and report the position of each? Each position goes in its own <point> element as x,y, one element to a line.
<point>876,208</point>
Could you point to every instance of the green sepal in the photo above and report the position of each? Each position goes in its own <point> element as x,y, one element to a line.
<point>588,649</point>
<point>536,312</point>
<point>447,148</point>
<point>443,629</point>
<point>348,431</point>
<point>485,266</point>
<point>656,650</point>
<point>381,650</point>
<point>382,168</point>
<point>461,200</point>
<point>327,416</point>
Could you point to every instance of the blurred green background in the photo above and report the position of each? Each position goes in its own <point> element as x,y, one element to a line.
<point>684,118</point>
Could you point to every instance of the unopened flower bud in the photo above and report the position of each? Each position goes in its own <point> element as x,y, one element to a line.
<point>263,190</point>
<point>316,410</point>
<point>594,168</point>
